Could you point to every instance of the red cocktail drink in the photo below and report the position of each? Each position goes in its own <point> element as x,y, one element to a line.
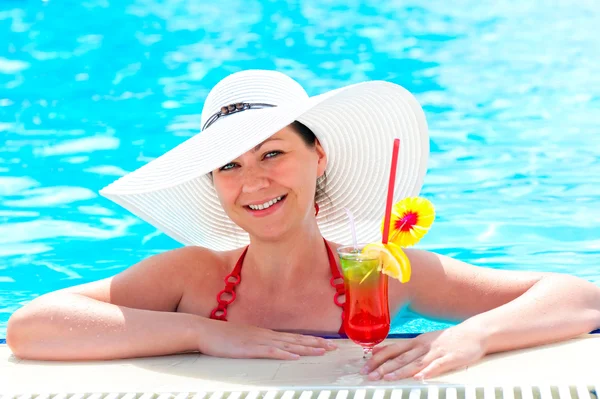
<point>367,315</point>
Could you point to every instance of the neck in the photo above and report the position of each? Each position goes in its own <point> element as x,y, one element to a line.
<point>289,259</point>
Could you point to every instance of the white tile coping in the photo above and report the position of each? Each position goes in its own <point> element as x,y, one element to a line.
<point>572,363</point>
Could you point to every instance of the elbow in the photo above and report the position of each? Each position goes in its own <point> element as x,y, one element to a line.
<point>24,330</point>
<point>16,335</point>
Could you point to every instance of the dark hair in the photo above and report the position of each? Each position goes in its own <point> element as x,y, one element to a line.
<point>310,140</point>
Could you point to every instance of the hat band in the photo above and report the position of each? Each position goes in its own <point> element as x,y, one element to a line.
<point>232,109</point>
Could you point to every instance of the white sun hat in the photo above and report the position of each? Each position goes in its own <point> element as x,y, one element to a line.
<point>356,125</point>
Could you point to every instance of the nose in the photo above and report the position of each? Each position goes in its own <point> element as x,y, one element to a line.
<point>254,180</point>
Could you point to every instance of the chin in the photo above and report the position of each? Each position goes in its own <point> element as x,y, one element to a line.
<point>271,228</point>
<point>267,234</point>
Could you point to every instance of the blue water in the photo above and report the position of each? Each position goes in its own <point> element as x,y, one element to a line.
<point>90,90</point>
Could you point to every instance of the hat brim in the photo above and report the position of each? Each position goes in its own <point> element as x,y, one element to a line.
<point>356,126</point>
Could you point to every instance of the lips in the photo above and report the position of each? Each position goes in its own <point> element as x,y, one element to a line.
<point>266,205</point>
<point>266,208</point>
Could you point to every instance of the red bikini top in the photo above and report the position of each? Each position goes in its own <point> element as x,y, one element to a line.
<point>234,278</point>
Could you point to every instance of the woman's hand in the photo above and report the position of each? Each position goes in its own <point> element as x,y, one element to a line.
<point>226,339</point>
<point>428,355</point>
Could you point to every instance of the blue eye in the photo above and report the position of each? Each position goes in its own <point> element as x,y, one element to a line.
<point>230,165</point>
<point>272,154</point>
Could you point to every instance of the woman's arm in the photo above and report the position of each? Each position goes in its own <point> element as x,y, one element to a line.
<point>130,314</point>
<point>66,326</point>
<point>555,308</point>
<point>512,309</point>
<point>134,315</point>
<point>499,309</point>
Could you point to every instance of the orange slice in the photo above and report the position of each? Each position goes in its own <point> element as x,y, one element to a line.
<point>392,260</point>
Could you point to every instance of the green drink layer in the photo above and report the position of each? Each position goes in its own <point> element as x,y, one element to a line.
<point>359,269</point>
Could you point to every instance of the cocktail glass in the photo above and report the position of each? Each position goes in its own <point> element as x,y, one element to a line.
<point>366,310</point>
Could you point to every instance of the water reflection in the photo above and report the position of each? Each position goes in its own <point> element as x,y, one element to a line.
<point>513,116</point>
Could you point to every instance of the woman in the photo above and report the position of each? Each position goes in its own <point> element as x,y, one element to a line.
<point>276,169</point>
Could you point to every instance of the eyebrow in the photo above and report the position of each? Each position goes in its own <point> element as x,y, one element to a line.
<point>267,140</point>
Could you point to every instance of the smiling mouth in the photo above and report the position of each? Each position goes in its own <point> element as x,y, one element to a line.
<point>267,204</point>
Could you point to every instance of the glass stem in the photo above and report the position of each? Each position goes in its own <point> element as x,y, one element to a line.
<point>366,352</point>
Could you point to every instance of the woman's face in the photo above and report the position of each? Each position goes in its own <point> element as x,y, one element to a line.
<point>270,189</point>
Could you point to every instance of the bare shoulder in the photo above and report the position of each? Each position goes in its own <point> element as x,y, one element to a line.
<point>432,268</point>
<point>448,288</point>
<point>157,282</point>
<point>203,266</point>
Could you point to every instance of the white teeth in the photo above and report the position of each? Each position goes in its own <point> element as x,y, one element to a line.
<point>265,205</point>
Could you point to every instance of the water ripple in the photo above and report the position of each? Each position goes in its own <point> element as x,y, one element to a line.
<point>511,93</point>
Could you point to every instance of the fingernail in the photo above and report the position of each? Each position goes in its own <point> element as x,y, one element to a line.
<point>295,356</point>
<point>331,344</point>
<point>364,370</point>
<point>390,376</point>
<point>374,375</point>
<point>419,376</point>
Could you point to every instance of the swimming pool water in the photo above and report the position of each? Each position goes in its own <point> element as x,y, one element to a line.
<point>90,90</point>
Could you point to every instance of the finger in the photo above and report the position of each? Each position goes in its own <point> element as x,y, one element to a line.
<point>305,340</point>
<point>268,352</point>
<point>437,367</point>
<point>408,370</point>
<point>378,349</point>
<point>301,350</point>
<point>386,353</point>
<point>397,363</point>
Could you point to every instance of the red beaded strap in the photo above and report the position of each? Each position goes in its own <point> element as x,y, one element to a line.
<point>231,281</point>
<point>337,282</point>
<point>234,278</point>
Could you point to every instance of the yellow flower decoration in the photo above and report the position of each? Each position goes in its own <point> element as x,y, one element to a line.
<point>410,220</point>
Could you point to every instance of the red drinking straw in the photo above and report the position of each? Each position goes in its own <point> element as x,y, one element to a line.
<point>390,196</point>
